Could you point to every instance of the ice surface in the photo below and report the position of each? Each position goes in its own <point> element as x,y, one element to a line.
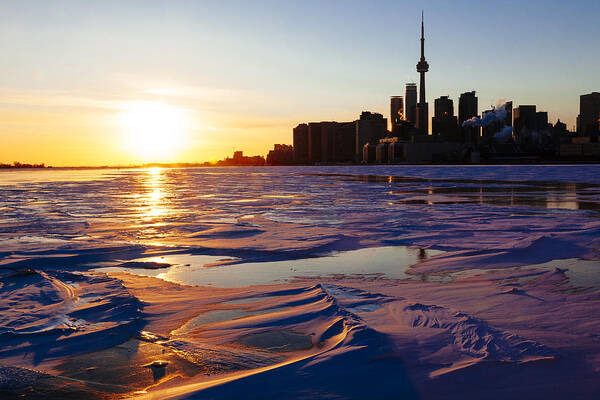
<point>302,210</point>
<point>387,278</point>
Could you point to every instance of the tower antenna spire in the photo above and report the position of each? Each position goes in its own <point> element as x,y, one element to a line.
<point>422,68</point>
<point>422,36</point>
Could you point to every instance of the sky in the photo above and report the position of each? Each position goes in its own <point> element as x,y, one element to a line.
<point>124,82</point>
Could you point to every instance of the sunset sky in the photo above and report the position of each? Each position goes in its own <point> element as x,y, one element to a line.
<point>123,82</point>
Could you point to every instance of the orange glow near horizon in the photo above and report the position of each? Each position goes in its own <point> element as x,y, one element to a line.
<point>153,131</point>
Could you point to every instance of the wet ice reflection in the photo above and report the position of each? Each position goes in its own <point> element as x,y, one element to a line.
<point>390,262</point>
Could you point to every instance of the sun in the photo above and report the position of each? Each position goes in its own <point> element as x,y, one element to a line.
<point>154,131</point>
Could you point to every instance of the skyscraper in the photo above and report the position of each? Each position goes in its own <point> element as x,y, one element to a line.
<point>314,142</point>
<point>443,106</point>
<point>467,109</point>
<point>508,107</point>
<point>541,120</point>
<point>396,110</point>
<point>337,141</point>
<point>301,144</point>
<point>397,118</point>
<point>525,119</point>
<point>369,129</point>
<point>444,122</point>
<point>588,120</point>
<point>400,126</point>
<point>410,97</point>
<point>467,106</point>
<point>422,106</point>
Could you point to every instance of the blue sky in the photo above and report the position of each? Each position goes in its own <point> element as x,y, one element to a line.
<point>249,71</point>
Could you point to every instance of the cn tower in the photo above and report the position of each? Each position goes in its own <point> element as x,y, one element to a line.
<point>422,106</point>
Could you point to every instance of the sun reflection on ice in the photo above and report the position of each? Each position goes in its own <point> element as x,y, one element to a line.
<point>154,202</point>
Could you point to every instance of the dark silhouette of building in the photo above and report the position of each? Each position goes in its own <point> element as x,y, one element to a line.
<point>422,68</point>
<point>508,107</point>
<point>443,106</point>
<point>327,141</point>
<point>580,147</point>
<point>410,97</point>
<point>467,109</point>
<point>524,119</point>
<point>337,142</point>
<point>392,150</point>
<point>396,110</point>
<point>532,130</point>
<point>239,159</point>
<point>314,142</point>
<point>560,134</point>
<point>588,120</point>
<point>541,120</point>
<point>344,138</point>
<point>238,156</point>
<point>369,129</point>
<point>444,122</point>
<point>467,106</point>
<point>400,126</point>
<point>561,127</point>
<point>301,144</point>
<point>282,154</point>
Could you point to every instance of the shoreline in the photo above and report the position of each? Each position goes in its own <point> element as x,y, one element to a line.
<point>144,166</point>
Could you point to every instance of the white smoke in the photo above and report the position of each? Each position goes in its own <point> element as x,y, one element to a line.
<point>498,113</point>
<point>504,135</point>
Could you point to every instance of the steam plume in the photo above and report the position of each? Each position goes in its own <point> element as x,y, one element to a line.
<point>497,114</point>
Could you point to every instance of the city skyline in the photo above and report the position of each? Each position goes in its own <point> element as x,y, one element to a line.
<point>65,97</point>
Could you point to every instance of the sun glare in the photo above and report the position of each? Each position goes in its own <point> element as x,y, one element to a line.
<point>154,131</point>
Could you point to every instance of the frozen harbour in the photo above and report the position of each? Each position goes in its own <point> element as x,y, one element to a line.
<point>301,282</point>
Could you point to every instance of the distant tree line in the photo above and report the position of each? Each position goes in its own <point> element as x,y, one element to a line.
<point>17,164</point>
